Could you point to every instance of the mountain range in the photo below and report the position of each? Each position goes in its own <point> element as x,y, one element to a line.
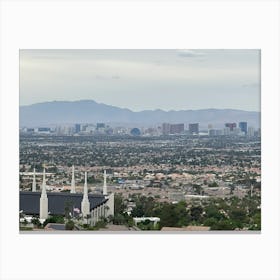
<point>89,111</point>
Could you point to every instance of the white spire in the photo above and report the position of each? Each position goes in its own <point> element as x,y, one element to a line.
<point>44,199</point>
<point>105,184</point>
<point>44,191</point>
<point>85,187</point>
<point>34,181</point>
<point>85,202</point>
<point>73,181</point>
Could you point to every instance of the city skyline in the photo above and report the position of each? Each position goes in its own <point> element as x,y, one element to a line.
<point>143,79</point>
<point>161,140</point>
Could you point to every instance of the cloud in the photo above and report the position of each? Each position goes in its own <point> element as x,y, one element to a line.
<point>190,53</point>
<point>115,77</point>
<point>251,85</point>
<point>103,77</point>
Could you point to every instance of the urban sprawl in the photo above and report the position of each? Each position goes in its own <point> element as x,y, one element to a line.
<point>167,177</point>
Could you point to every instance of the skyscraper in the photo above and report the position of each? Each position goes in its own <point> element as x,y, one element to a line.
<point>77,128</point>
<point>194,128</point>
<point>243,127</point>
<point>177,128</point>
<point>251,131</point>
<point>166,128</point>
<point>231,126</point>
<point>100,125</point>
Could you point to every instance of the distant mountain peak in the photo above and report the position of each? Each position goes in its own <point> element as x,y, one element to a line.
<point>89,111</point>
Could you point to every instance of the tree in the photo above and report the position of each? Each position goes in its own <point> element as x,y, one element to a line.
<point>138,211</point>
<point>36,222</point>
<point>118,204</point>
<point>256,222</point>
<point>183,218</point>
<point>56,219</point>
<point>238,216</point>
<point>119,219</point>
<point>223,225</point>
<point>196,213</point>
<point>68,208</point>
<point>213,185</point>
<point>211,222</point>
<point>212,211</point>
<point>69,225</point>
<point>167,215</point>
<point>144,206</point>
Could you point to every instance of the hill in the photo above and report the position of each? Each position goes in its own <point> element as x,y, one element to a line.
<point>89,111</point>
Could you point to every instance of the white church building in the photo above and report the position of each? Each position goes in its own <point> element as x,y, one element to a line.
<point>92,207</point>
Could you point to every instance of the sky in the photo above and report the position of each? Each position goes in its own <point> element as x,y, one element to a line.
<point>144,79</point>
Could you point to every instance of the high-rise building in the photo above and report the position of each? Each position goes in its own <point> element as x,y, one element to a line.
<point>166,128</point>
<point>231,126</point>
<point>177,128</point>
<point>251,131</point>
<point>226,131</point>
<point>243,127</point>
<point>194,128</point>
<point>77,128</point>
<point>100,125</point>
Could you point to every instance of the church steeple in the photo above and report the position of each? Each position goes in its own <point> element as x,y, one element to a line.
<point>44,190</point>
<point>85,202</point>
<point>44,199</point>
<point>73,181</point>
<point>34,181</point>
<point>104,183</point>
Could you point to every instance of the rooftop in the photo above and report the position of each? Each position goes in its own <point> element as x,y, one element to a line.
<point>30,201</point>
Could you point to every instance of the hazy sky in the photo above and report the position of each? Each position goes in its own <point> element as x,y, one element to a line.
<point>143,79</point>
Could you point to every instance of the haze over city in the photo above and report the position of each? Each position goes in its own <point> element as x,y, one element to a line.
<point>143,79</point>
<point>137,140</point>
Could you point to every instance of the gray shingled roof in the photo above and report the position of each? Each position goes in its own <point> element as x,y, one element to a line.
<point>29,202</point>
